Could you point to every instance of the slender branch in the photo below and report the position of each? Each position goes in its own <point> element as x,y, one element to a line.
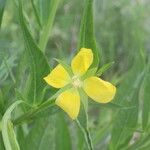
<point>31,113</point>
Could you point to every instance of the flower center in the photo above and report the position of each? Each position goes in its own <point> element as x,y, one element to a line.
<point>76,82</point>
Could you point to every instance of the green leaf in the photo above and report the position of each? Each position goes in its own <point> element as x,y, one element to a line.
<point>19,95</point>
<point>104,68</point>
<point>49,132</point>
<point>127,118</point>
<point>140,144</point>
<point>62,132</point>
<point>6,66</point>
<point>21,132</point>
<point>47,27</point>
<point>146,96</point>
<point>1,141</point>
<point>8,133</point>
<point>1,102</point>
<point>128,96</point>
<point>43,10</point>
<point>2,6</point>
<point>36,13</point>
<point>41,135</point>
<point>80,139</point>
<point>87,37</point>
<point>116,106</point>
<point>38,63</point>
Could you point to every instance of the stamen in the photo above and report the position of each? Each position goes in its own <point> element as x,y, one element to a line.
<point>76,82</point>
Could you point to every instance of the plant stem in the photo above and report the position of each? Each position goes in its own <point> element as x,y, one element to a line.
<point>87,135</point>
<point>31,113</point>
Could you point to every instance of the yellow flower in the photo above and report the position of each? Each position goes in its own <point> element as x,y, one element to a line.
<point>96,88</point>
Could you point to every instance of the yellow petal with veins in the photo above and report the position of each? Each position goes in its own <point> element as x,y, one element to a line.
<point>99,90</point>
<point>82,61</point>
<point>58,77</point>
<point>69,101</point>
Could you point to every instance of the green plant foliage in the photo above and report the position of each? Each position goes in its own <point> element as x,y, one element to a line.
<point>146,102</point>
<point>2,6</point>
<point>1,143</point>
<point>126,121</point>
<point>47,18</point>
<point>8,133</point>
<point>104,68</point>
<point>37,35</point>
<point>87,38</point>
<point>38,63</point>
<point>82,120</point>
<point>62,132</point>
<point>40,135</point>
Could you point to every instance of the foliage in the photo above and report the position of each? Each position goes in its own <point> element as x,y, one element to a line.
<point>37,32</point>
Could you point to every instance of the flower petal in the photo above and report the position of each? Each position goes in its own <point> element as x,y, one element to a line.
<point>58,77</point>
<point>99,90</point>
<point>82,61</point>
<point>69,101</point>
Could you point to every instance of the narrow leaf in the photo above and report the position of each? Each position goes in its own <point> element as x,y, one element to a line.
<point>62,132</point>
<point>2,6</point>
<point>87,37</point>
<point>128,96</point>
<point>36,13</point>
<point>8,133</point>
<point>38,63</point>
<point>146,102</point>
<point>1,142</point>
<point>41,135</point>
<point>48,24</point>
<point>1,102</point>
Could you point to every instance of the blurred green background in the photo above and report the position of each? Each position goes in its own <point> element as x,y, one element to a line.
<point>122,30</point>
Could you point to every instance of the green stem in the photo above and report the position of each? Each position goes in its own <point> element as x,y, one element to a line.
<point>87,135</point>
<point>31,113</point>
